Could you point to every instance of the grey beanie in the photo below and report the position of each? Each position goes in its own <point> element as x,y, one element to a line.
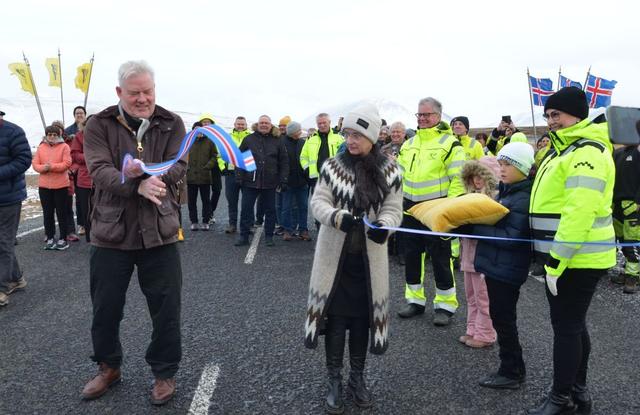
<point>364,119</point>
<point>293,127</point>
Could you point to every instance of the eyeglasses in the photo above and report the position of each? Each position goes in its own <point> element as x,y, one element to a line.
<point>554,115</point>
<point>352,133</point>
<point>425,114</point>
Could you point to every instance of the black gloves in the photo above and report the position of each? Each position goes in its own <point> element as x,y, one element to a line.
<point>348,222</point>
<point>283,187</point>
<point>378,236</point>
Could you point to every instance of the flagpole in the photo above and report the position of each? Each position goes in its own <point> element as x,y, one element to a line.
<point>584,87</point>
<point>533,119</point>
<point>35,92</point>
<point>60,75</point>
<point>86,95</point>
<point>559,77</point>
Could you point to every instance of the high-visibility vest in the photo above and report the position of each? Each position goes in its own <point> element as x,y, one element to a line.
<point>571,199</point>
<point>309,153</point>
<point>431,162</point>
<point>472,148</point>
<point>237,136</point>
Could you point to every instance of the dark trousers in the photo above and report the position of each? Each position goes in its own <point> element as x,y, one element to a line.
<point>571,342</point>
<point>439,251</point>
<point>192,201</point>
<point>260,210</point>
<point>249,196</point>
<point>216,188</point>
<point>292,220</point>
<point>335,339</point>
<point>503,299</point>
<point>71,223</point>
<point>279,208</point>
<point>232,193</point>
<point>54,201</point>
<point>9,267</point>
<point>82,206</point>
<point>160,278</point>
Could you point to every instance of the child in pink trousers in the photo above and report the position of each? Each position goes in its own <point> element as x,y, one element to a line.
<point>478,176</point>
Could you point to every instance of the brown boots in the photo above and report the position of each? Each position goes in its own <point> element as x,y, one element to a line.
<point>162,392</point>
<point>102,381</point>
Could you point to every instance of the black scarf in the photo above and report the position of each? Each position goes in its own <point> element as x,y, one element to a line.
<point>371,186</point>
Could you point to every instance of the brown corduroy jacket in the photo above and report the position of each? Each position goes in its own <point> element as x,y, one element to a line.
<point>120,217</point>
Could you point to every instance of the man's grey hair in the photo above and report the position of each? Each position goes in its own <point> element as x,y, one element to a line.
<point>133,68</point>
<point>397,126</point>
<point>322,115</point>
<point>435,104</point>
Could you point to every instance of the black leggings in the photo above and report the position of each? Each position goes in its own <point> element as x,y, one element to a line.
<point>335,337</point>
<point>54,201</point>
<point>571,342</point>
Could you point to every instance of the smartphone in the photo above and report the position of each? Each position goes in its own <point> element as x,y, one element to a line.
<point>506,118</point>
<point>624,125</point>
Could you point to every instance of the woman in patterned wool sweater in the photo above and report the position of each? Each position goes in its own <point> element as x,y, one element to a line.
<point>349,287</point>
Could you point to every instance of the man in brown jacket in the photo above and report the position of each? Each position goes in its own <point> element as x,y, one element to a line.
<point>134,225</point>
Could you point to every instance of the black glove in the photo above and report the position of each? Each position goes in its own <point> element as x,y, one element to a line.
<point>378,236</point>
<point>283,187</point>
<point>348,222</point>
<point>464,229</point>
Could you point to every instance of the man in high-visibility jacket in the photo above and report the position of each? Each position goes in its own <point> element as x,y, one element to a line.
<point>472,148</point>
<point>319,147</point>
<point>431,163</point>
<point>231,189</point>
<point>571,202</point>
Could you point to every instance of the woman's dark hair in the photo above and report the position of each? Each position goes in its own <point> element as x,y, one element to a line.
<point>80,107</point>
<point>196,125</point>
<point>52,129</point>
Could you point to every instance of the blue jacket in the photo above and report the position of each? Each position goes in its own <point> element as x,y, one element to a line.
<point>503,260</point>
<point>15,159</point>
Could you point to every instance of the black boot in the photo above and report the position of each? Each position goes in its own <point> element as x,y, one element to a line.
<point>358,342</point>
<point>582,398</point>
<point>334,349</point>
<point>555,404</point>
<point>334,403</point>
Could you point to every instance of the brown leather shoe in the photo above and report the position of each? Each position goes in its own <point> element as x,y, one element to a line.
<point>304,235</point>
<point>101,382</point>
<point>163,390</point>
<point>286,236</point>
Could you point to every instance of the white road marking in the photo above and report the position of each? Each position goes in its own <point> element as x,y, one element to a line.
<point>206,386</point>
<point>254,246</point>
<point>30,231</point>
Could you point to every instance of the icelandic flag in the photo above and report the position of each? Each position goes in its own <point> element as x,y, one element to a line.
<point>541,89</point>
<point>599,91</point>
<point>564,81</point>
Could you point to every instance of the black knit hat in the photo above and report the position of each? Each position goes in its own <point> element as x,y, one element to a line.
<point>571,100</point>
<point>462,119</point>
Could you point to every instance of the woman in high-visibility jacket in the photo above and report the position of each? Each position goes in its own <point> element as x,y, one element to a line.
<point>571,202</point>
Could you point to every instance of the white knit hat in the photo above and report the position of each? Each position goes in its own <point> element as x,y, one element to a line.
<point>364,119</point>
<point>519,155</point>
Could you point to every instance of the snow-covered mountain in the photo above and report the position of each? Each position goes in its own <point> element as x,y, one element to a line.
<point>389,110</point>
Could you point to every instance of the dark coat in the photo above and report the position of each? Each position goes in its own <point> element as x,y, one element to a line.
<point>297,176</point>
<point>15,159</point>
<point>272,163</point>
<point>120,217</point>
<point>203,157</point>
<point>504,260</point>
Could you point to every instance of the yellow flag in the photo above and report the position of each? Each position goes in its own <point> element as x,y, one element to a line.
<point>53,66</point>
<point>83,77</point>
<point>22,72</point>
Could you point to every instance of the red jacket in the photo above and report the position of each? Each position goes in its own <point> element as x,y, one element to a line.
<point>83,179</point>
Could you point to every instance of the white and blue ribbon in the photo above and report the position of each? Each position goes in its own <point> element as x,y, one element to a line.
<point>227,148</point>
<point>494,238</point>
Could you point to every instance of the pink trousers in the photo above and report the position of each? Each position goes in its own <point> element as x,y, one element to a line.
<point>479,325</point>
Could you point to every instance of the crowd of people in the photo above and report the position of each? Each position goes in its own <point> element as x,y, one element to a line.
<point>572,187</point>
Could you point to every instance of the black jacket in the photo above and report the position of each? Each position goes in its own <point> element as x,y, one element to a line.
<point>627,185</point>
<point>272,163</point>
<point>297,177</point>
<point>507,261</point>
<point>15,159</point>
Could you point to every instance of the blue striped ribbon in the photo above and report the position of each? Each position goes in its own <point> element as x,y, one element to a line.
<point>227,148</point>
<point>494,238</point>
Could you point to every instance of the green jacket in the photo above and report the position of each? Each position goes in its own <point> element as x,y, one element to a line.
<point>203,156</point>
<point>472,148</point>
<point>571,199</point>
<point>309,154</point>
<point>431,162</point>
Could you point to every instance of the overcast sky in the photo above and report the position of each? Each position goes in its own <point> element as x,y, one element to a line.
<point>298,57</point>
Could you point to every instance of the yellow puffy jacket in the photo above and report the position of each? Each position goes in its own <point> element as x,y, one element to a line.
<point>431,163</point>
<point>571,199</point>
<point>472,149</point>
<point>309,154</point>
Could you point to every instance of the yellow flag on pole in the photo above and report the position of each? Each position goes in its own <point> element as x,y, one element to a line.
<point>53,66</point>
<point>83,77</point>
<point>21,70</point>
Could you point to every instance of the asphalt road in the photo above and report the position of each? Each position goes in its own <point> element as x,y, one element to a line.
<point>243,328</point>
